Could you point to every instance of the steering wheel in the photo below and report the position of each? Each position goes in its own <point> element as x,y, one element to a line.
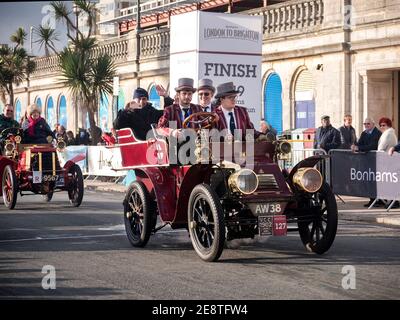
<point>205,120</point>
<point>13,130</point>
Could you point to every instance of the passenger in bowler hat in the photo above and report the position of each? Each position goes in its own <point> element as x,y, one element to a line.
<point>205,92</point>
<point>180,111</point>
<point>231,116</point>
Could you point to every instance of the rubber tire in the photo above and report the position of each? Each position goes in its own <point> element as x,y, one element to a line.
<point>327,239</point>
<point>213,201</point>
<point>47,197</point>
<point>10,171</point>
<point>148,214</point>
<point>76,201</point>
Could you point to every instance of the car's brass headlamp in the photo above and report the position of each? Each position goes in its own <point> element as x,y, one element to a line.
<point>283,147</point>
<point>244,181</point>
<point>9,147</point>
<point>61,145</point>
<point>308,179</point>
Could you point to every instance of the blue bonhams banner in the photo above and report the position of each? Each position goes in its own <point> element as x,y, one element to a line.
<point>371,174</point>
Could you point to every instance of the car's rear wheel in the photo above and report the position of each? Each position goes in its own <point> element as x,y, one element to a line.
<point>206,223</point>
<point>75,191</point>
<point>9,187</point>
<point>319,233</point>
<point>139,214</point>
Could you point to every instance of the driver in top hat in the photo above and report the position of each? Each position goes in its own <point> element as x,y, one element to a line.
<point>231,116</point>
<point>179,112</point>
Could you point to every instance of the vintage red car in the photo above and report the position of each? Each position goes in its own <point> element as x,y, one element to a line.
<point>218,200</point>
<point>36,169</point>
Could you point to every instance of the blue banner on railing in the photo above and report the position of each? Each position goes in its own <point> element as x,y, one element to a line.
<point>371,174</point>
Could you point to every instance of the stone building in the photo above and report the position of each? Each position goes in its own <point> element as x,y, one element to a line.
<point>319,57</point>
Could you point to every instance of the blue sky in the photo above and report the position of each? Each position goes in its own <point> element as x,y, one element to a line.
<point>26,14</point>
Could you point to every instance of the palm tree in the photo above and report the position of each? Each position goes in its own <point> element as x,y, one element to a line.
<point>89,9</point>
<point>15,67</point>
<point>87,77</point>
<point>46,36</point>
<point>19,37</point>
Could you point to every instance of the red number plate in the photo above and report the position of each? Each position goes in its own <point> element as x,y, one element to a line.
<point>279,226</point>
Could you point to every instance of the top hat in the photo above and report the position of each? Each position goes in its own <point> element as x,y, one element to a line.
<point>185,84</point>
<point>140,93</point>
<point>206,84</point>
<point>225,89</point>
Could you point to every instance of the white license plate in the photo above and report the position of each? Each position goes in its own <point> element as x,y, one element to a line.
<point>267,208</point>
<point>37,177</point>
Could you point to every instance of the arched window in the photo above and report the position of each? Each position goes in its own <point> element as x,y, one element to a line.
<point>304,100</point>
<point>38,101</point>
<point>17,111</point>
<point>50,113</point>
<point>273,101</point>
<point>154,98</point>
<point>121,99</point>
<point>62,111</point>
<point>103,112</point>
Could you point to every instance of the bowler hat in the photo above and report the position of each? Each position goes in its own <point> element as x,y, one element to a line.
<point>185,84</point>
<point>206,84</point>
<point>225,89</point>
<point>140,93</point>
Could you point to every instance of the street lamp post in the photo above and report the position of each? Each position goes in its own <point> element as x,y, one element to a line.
<point>75,10</point>
<point>30,41</point>
<point>138,29</point>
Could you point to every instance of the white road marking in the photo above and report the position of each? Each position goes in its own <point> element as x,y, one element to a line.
<point>63,238</point>
<point>81,237</point>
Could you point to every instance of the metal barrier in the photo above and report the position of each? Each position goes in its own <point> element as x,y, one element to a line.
<point>297,155</point>
<point>378,155</point>
<point>100,161</point>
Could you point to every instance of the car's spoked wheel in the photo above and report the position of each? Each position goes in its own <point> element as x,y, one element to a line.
<point>9,187</point>
<point>48,196</point>
<point>138,214</point>
<point>75,192</point>
<point>318,235</point>
<point>206,223</point>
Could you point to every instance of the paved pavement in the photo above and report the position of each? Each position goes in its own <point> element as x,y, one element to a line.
<point>352,209</point>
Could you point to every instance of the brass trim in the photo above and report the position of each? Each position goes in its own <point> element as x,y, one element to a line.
<point>40,161</point>
<point>233,181</point>
<point>298,176</point>
<point>53,158</point>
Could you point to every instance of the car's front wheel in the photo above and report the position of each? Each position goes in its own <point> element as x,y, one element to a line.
<point>139,213</point>
<point>318,233</point>
<point>206,223</point>
<point>47,197</point>
<point>75,192</point>
<point>9,187</point>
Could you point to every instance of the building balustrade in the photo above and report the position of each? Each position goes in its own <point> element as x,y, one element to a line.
<point>287,16</point>
<point>154,44</point>
<point>291,15</point>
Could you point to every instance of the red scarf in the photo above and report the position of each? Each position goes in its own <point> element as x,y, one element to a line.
<point>32,124</point>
